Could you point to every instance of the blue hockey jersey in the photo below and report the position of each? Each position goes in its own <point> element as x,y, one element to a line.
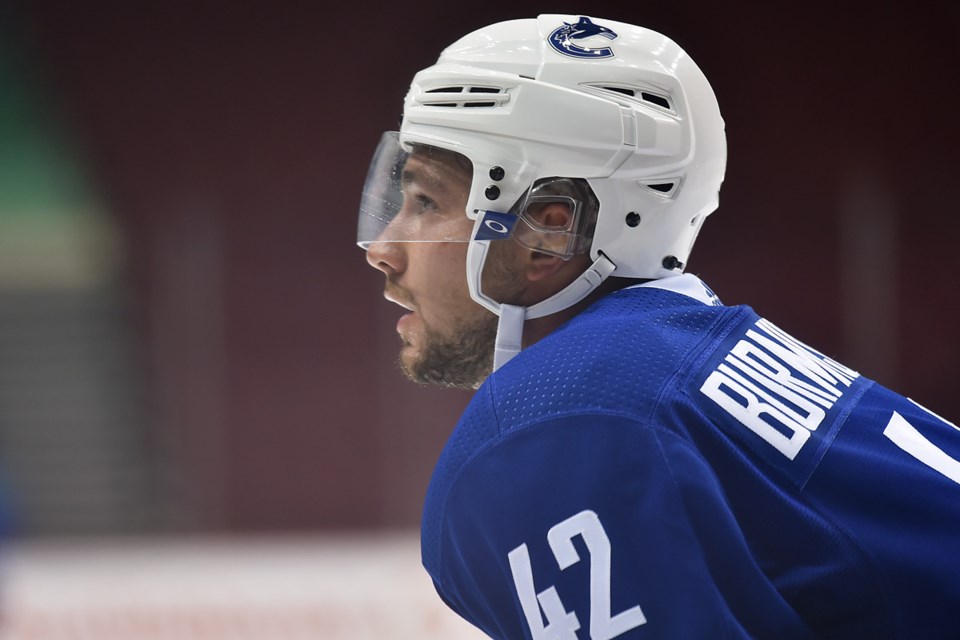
<point>663,466</point>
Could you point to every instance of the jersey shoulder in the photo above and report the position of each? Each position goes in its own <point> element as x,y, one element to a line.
<point>614,359</point>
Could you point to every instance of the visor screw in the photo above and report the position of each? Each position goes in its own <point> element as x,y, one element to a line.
<point>633,219</point>
<point>671,262</point>
<point>497,173</point>
<point>492,192</point>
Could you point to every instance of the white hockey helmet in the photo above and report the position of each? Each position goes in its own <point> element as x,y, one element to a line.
<point>618,105</point>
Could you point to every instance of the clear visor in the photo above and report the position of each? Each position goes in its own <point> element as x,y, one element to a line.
<point>417,194</point>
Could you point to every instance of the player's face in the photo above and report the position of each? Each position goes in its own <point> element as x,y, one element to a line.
<point>446,337</point>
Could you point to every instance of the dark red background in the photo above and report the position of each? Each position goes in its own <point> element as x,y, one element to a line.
<point>231,141</point>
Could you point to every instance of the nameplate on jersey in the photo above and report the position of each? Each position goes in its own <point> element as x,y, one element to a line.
<point>778,396</point>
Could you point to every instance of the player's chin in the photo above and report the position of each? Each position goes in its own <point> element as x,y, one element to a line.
<point>410,363</point>
<point>410,354</point>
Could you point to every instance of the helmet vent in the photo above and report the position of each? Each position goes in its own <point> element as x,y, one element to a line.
<point>664,187</point>
<point>623,90</point>
<point>463,96</point>
<point>653,98</point>
<point>640,95</point>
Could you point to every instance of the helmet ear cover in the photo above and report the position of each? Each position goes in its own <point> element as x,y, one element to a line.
<point>557,217</point>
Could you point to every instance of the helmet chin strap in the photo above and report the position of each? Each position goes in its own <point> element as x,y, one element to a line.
<point>510,327</point>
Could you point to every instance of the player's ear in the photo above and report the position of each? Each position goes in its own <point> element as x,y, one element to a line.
<point>552,215</point>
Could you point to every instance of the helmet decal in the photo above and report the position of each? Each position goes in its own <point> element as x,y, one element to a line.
<point>562,39</point>
<point>495,225</point>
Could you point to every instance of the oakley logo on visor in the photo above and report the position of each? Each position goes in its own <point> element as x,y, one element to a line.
<point>495,226</point>
<point>562,39</point>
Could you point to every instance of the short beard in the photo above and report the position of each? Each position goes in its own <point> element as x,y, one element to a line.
<point>461,362</point>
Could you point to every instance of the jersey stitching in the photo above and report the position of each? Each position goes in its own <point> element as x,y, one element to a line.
<point>523,430</point>
<point>838,424</point>
<point>673,480</point>
<point>488,390</point>
<point>696,355</point>
<point>493,442</point>
<point>867,561</point>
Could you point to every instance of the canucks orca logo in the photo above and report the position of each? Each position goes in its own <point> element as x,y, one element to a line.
<point>562,39</point>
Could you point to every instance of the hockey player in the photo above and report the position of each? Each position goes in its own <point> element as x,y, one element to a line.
<point>639,461</point>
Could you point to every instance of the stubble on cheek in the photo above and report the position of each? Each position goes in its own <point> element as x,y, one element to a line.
<point>459,354</point>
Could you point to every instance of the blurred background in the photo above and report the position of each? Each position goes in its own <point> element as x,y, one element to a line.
<point>197,379</point>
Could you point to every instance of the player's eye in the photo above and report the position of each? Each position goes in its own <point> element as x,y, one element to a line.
<point>417,202</point>
<point>426,204</point>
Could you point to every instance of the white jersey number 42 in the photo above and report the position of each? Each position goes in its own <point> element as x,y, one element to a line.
<point>563,624</point>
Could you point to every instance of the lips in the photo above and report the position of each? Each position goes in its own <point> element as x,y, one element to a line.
<point>405,305</point>
<point>398,297</point>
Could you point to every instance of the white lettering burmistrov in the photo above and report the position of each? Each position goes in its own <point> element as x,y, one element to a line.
<point>777,387</point>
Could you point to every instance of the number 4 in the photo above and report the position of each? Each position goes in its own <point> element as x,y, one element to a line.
<point>561,624</point>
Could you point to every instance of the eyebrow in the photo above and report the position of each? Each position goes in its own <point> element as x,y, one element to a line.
<point>415,174</point>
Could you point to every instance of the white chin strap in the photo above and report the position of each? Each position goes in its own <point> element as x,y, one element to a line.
<point>510,328</point>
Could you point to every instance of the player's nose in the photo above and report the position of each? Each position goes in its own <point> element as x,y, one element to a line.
<point>388,257</point>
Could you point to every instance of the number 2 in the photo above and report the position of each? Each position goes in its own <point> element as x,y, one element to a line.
<point>561,624</point>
